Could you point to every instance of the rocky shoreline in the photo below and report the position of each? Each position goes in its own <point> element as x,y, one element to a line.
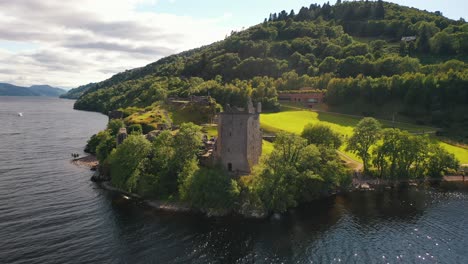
<point>92,163</point>
<point>156,204</point>
<point>89,161</point>
<point>179,207</point>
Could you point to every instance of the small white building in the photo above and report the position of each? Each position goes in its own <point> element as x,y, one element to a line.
<point>408,38</point>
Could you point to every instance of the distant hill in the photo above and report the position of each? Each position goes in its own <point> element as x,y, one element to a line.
<point>77,92</point>
<point>7,89</point>
<point>47,90</point>
<point>369,57</point>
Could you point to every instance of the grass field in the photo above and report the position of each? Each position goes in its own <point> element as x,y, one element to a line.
<point>294,122</point>
<point>210,130</point>
<point>267,147</point>
<point>152,117</point>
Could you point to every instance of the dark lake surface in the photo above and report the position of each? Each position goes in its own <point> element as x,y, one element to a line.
<point>51,213</point>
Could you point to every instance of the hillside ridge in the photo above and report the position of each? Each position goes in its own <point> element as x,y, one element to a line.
<point>351,50</point>
<point>7,89</point>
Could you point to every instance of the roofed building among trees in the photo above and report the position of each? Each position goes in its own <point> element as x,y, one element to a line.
<point>305,96</point>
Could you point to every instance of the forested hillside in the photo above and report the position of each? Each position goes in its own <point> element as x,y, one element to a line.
<point>47,90</point>
<point>77,92</point>
<point>353,50</point>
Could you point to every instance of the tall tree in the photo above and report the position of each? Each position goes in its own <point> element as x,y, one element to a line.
<point>115,125</point>
<point>440,161</point>
<point>125,162</point>
<point>187,144</point>
<point>292,14</point>
<point>365,135</point>
<point>380,10</point>
<point>303,14</point>
<point>319,134</point>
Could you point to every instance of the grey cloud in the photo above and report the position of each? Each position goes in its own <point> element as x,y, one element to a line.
<point>7,71</point>
<point>54,61</point>
<point>123,30</point>
<point>155,51</point>
<point>48,57</point>
<point>49,13</point>
<point>112,70</point>
<point>19,31</point>
<point>73,46</point>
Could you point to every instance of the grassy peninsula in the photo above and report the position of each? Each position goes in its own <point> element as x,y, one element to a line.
<point>403,69</point>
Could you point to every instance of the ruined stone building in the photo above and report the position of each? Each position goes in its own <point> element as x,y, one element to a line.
<point>122,135</point>
<point>239,142</point>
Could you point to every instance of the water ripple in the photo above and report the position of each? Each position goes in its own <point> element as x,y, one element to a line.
<point>51,213</point>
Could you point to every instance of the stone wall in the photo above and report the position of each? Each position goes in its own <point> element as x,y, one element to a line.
<point>239,143</point>
<point>308,99</point>
<point>254,140</point>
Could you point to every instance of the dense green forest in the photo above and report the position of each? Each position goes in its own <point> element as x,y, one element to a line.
<point>300,168</point>
<point>352,50</point>
<point>77,92</point>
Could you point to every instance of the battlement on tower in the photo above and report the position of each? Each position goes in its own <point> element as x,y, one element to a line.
<point>249,109</point>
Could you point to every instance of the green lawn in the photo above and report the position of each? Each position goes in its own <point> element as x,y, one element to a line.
<point>460,153</point>
<point>210,130</point>
<point>180,116</point>
<point>267,147</point>
<point>153,117</point>
<point>294,122</point>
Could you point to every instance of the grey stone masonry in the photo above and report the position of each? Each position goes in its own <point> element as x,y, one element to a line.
<point>239,143</point>
<point>122,135</point>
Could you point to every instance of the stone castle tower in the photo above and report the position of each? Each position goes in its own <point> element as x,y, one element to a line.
<point>239,143</point>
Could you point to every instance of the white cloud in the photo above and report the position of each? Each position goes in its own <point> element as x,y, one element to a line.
<point>86,41</point>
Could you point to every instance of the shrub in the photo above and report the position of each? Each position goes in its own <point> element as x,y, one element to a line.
<point>319,134</point>
<point>125,161</point>
<point>210,189</point>
<point>135,129</point>
<point>115,125</point>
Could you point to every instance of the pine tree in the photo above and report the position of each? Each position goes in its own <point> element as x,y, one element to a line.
<point>283,15</point>
<point>303,14</point>
<point>326,10</point>
<point>292,14</point>
<point>380,10</point>
<point>423,41</point>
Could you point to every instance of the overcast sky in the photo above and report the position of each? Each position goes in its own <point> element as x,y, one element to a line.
<point>70,43</point>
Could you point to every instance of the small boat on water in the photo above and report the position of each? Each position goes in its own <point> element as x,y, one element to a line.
<point>20,114</point>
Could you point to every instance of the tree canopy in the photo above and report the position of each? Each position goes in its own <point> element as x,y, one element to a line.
<point>366,134</point>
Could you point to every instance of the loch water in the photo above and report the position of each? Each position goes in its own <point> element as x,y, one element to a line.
<point>51,213</point>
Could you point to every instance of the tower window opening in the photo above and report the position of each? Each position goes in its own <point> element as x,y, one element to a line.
<point>229,166</point>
